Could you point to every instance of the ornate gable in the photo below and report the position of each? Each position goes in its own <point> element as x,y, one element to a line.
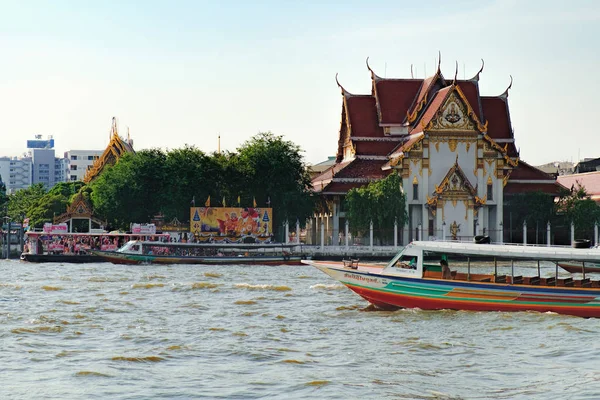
<point>455,114</point>
<point>455,187</point>
<point>455,184</point>
<point>79,208</point>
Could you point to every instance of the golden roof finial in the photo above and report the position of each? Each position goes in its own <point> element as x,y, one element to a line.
<point>505,94</point>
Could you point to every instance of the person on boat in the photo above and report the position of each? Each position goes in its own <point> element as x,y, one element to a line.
<point>446,273</point>
<point>413,263</point>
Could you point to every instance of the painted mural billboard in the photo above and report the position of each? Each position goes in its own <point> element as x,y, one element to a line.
<point>231,224</point>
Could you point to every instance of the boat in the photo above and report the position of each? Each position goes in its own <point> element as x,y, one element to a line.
<point>65,247</point>
<point>142,252</point>
<point>578,268</point>
<point>474,280</point>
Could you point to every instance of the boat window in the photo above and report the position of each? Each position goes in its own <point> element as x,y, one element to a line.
<point>407,262</point>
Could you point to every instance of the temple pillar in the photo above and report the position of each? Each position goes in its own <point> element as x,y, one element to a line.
<point>336,222</point>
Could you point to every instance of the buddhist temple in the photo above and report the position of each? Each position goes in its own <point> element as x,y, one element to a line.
<point>117,146</point>
<point>79,216</point>
<point>453,147</point>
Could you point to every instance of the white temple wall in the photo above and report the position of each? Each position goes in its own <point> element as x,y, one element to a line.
<point>442,159</point>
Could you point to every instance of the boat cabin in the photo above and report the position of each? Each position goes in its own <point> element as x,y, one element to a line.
<point>507,264</point>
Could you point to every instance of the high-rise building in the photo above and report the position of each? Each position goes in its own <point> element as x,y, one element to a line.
<point>79,162</point>
<point>16,173</point>
<point>46,168</point>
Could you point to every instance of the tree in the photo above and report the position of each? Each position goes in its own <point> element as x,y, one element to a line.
<point>578,208</point>
<point>537,208</point>
<point>22,201</point>
<point>189,178</point>
<point>382,202</point>
<point>132,190</point>
<point>273,171</point>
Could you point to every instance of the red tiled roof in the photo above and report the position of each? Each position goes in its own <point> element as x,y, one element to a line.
<point>495,111</point>
<point>426,84</point>
<point>374,148</point>
<point>471,91</point>
<point>330,172</point>
<point>342,135</point>
<point>589,180</point>
<point>362,112</point>
<point>339,187</point>
<point>432,109</point>
<point>395,97</point>
<point>410,140</point>
<point>528,172</point>
<point>358,168</point>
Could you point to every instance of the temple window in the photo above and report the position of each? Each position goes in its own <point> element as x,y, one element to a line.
<point>430,227</point>
<point>490,192</point>
<point>415,188</point>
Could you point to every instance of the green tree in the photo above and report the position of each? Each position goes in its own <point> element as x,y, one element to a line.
<point>22,201</point>
<point>132,190</point>
<point>578,208</point>
<point>273,170</point>
<point>382,202</point>
<point>537,208</point>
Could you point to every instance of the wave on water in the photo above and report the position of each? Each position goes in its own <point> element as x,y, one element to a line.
<point>245,302</point>
<point>212,275</point>
<point>138,359</point>
<point>275,288</point>
<point>51,288</point>
<point>331,286</point>
<point>11,285</point>
<point>147,285</point>
<point>38,329</point>
<point>92,373</point>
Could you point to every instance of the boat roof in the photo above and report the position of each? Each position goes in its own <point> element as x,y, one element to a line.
<point>510,251</point>
<point>222,245</point>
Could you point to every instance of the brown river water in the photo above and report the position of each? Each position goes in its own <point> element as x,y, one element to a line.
<point>104,331</point>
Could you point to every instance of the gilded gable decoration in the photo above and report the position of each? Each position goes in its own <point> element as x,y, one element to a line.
<point>117,146</point>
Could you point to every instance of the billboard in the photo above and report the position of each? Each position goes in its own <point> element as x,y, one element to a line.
<point>231,224</point>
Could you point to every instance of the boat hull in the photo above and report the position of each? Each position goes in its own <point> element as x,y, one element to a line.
<point>393,292</point>
<point>61,258</point>
<point>124,258</point>
<point>575,269</point>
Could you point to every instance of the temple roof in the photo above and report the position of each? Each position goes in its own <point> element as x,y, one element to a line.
<point>115,149</point>
<point>588,180</point>
<point>378,129</point>
<point>527,178</point>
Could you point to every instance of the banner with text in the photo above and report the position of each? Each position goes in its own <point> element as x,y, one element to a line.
<point>231,224</point>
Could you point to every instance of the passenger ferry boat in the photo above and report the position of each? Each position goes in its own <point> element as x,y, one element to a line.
<point>67,247</point>
<point>143,252</point>
<point>481,277</point>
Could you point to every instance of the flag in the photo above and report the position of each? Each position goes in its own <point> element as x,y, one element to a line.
<point>207,204</point>
<point>254,202</point>
<point>224,205</point>
<point>238,200</point>
<point>193,202</point>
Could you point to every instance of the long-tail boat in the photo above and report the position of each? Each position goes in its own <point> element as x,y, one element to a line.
<point>414,278</point>
<point>140,252</point>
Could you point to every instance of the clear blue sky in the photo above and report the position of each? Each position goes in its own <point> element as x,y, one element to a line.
<point>178,72</point>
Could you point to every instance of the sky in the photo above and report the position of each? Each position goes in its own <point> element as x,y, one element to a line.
<point>186,72</point>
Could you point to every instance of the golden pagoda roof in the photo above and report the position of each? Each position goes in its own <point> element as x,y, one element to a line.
<point>115,149</point>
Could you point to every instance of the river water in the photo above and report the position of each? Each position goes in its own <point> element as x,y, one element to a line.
<point>73,331</point>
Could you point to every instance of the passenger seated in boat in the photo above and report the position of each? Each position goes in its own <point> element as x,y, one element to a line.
<point>446,273</point>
